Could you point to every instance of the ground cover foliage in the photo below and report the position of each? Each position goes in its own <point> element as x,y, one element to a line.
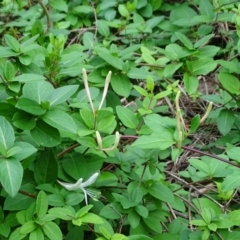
<point>119,119</point>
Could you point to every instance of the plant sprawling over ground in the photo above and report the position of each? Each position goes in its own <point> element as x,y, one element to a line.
<point>119,120</point>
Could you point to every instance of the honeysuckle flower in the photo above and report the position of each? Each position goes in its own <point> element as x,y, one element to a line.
<point>85,80</point>
<point>82,185</point>
<point>116,142</point>
<point>108,78</point>
<point>209,109</point>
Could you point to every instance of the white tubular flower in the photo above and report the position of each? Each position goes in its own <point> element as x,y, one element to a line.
<point>82,185</point>
<point>108,78</point>
<point>85,80</point>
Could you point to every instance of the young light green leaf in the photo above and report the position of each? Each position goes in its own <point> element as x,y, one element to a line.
<point>27,227</point>
<point>146,55</point>
<point>91,218</point>
<point>41,204</point>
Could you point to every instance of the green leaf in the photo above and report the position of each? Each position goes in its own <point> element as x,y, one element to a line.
<point>206,8</point>
<point>170,69</point>
<point>11,173</point>
<point>60,120</point>
<point>123,10</point>
<point>142,211</point>
<point>30,106</point>
<point>52,231</point>
<point>108,212</point>
<point>88,117</point>
<point>127,117</point>
<point>201,66</point>
<point>191,83</point>
<point>39,91</point>
<point>161,192</point>
<point>26,150</point>
<point>121,84</point>
<point>106,124</point>
<point>233,152</point>
<point>159,124</point>
<point>12,43</point>
<point>37,234</point>
<point>62,213</point>
<point>56,200</point>
<point>91,218</point>
<point>41,204</point>
<point>153,223</point>
<point>133,218</point>
<point>27,227</point>
<point>23,121</point>
<point>20,201</point>
<point>109,58</point>
<point>162,94</point>
<point>4,229</point>
<point>16,235</point>
<point>141,90</point>
<point>59,5</point>
<point>103,28</point>
<point>187,43</point>
<point>6,136</point>
<point>154,21</point>
<point>84,210</point>
<point>195,122</point>
<point>160,141</point>
<point>146,55</point>
<point>174,51</point>
<point>46,167</point>
<point>231,182</point>
<point>28,77</point>
<point>62,94</point>
<point>225,121</point>
<point>232,66</point>
<point>75,164</point>
<point>45,135</point>
<point>138,73</point>
<point>229,82</point>
<point>84,9</point>
<point>73,199</point>
<point>9,71</point>
<point>7,52</point>
<point>201,42</point>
